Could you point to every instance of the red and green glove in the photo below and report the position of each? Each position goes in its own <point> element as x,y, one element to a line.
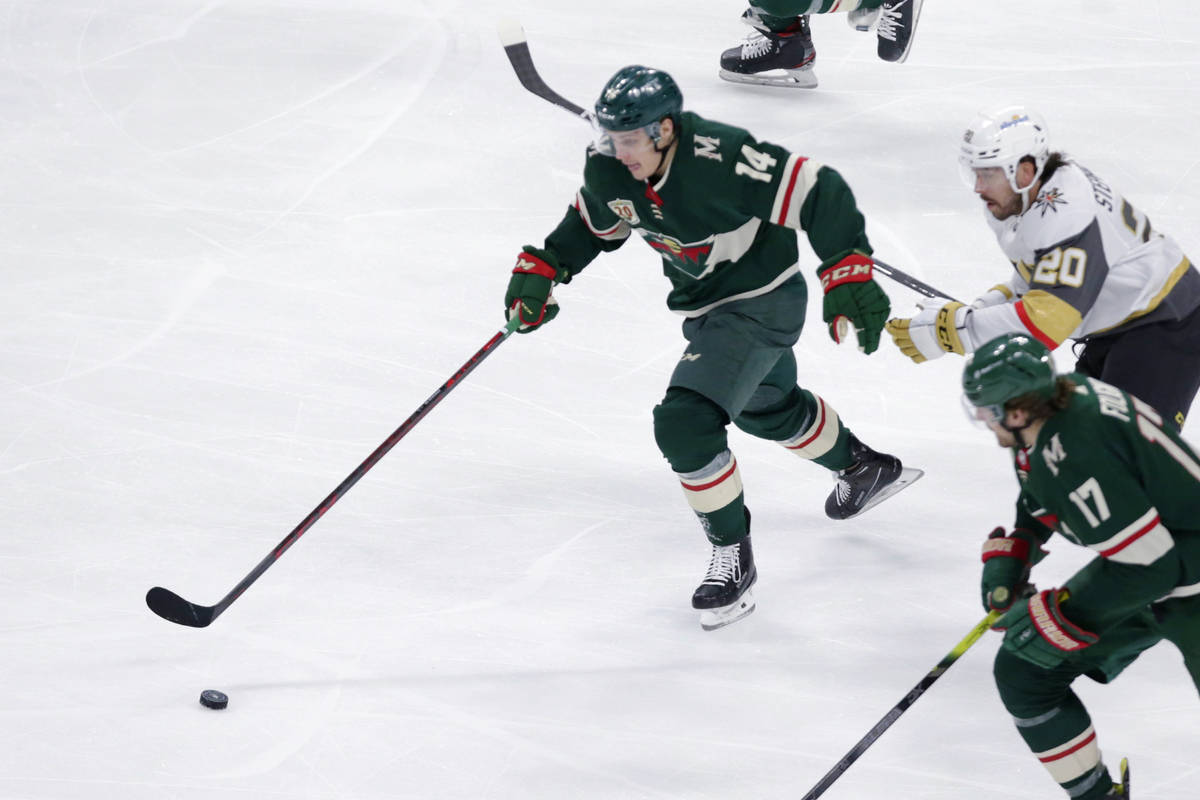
<point>530,290</point>
<point>1040,633</point>
<point>1006,563</point>
<point>854,300</point>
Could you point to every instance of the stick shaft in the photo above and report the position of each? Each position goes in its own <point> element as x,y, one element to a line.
<point>904,279</point>
<point>901,707</point>
<point>170,606</point>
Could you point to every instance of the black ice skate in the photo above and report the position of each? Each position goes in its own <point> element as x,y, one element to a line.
<point>724,595</point>
<point>772,59</point>
<point>1120,791</point>
<point>896,27</point>
<point>871,479</point>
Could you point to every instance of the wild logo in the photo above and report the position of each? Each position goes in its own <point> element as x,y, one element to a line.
<point>689,258</point>
<point>1050,201</point>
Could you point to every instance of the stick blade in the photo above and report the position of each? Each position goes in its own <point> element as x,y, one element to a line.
<point>174,608</point>
<point>510,31</point>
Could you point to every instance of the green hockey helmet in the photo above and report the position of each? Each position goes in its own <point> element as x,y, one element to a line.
<point>1003,369</point>
<point>636,97</point>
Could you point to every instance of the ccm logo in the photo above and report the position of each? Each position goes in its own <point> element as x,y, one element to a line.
<point>852,272</point>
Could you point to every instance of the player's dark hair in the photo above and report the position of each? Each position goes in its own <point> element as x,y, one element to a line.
<point>1041,407</point>
<point>1053,162</point>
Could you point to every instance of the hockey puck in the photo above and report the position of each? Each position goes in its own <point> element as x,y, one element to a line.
<point>211,698</point>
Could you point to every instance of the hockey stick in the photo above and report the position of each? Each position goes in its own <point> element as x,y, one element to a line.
<point>516,47</point>
<point>902,706</point>
<point>904,279</point>
<point>512,36</point>
<point>174,608</point>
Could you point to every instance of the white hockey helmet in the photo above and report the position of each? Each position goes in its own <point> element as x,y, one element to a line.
<point>1001,139</point>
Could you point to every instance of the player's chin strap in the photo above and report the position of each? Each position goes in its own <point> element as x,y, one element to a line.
<point>1016,431</point>
<point>1026,194</point>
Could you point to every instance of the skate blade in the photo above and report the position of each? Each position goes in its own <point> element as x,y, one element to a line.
<point>908,476</point>
<point>713,618</point>
<point>788,78</point>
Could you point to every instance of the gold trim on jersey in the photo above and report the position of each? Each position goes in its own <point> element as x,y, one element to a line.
<point>1053,317</point>
<point>1172,279</point>
<point>1004,290</point>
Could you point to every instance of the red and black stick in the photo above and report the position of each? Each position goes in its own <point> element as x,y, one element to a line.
<point>171,606</point>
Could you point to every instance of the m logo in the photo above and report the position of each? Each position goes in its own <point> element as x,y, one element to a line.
<point>625,210</point>
<point>706,147</point>
<point>1053,453</point>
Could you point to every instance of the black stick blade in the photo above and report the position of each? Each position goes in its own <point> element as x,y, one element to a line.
<point>174,608</point>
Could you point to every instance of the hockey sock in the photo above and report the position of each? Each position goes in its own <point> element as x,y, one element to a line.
<point>1064,740</point>
<point>822,437</point>
<point>780,15</point>
<point>715,493</point>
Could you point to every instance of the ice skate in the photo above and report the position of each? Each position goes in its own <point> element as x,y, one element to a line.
<point>724,595</point>
<point>896,27</point>
<point>1120,791</point>
<point>871,479</point>
<point>768,58</point>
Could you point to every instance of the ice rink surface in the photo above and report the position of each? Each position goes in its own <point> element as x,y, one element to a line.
<point>243,241</point>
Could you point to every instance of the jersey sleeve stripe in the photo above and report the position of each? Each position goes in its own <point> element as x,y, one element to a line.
<point>1172,279</point>
<point>1047,318</point>
<point>800,177</point>
<point>1143,542</point>
<point>616,233</point>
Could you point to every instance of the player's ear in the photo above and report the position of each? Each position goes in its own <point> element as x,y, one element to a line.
<point>1026,173</point>
<point>667,128</point>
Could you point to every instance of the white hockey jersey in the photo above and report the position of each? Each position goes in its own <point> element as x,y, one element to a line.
<point>1086,263</point>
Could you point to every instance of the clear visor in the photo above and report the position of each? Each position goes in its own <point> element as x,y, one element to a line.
<point>973,177</point>
<point>982,177</point>
<point>606,142</point>
<point>982,416</point>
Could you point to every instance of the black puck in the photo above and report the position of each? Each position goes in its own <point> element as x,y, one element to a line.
<point>211,698</point>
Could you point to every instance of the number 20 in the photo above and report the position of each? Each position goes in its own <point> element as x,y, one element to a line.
<point>1062,266</point>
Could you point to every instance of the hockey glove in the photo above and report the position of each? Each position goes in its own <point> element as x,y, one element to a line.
<point>529,294</point>
<point>931,333</point>
<point>854,299</point>
<point>1006,564</point>
<point>1039,632</point>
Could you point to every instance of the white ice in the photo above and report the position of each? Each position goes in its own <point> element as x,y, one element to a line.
<point>243,241</point>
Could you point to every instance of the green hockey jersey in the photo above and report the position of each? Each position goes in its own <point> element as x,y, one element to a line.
<point>719,216</point>
<point>1107,475</point>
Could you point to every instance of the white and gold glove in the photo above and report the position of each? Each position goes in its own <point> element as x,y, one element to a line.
<point>932,332</point>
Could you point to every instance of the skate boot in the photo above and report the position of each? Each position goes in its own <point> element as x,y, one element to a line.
<point>1120,791</point>
<point>768,58</point>
<point>871,479</point>
<point>896,27</point>
<point>724,595</point>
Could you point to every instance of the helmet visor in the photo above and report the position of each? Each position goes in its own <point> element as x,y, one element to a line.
<point>606,142</point>
<point>982,417</point>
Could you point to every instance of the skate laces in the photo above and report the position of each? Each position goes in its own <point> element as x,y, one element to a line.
<point>724,565</point>
<point>889,22</point>
<point>756,44</point>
